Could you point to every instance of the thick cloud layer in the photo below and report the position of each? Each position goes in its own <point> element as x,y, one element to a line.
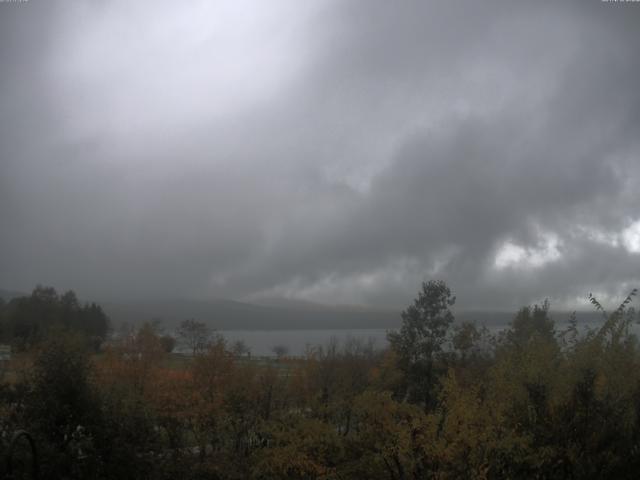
<point>338,152</point>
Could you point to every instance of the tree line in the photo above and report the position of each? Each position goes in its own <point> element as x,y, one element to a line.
<point>445,400</point>
<point>25,321</point>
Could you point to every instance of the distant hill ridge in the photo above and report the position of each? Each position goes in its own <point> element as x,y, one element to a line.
<point>233,315</point>
<point>7,295</point>
<point>285,314</point>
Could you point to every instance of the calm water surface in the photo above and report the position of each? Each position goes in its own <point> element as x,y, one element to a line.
<point>261,342</point>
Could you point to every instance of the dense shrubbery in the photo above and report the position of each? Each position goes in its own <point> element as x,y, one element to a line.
<point>445,401</point>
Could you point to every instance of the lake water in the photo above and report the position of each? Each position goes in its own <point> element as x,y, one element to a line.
<point>261,342</point>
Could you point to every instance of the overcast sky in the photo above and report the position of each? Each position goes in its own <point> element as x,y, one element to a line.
<point>331,151</point>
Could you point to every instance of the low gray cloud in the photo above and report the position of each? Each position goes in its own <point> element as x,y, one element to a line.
<point>334,152</point>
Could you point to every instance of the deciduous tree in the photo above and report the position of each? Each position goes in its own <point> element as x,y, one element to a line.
<point>196,335</point>
<point>425,325</point>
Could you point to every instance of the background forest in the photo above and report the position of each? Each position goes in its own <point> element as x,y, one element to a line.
<point>446,400</point>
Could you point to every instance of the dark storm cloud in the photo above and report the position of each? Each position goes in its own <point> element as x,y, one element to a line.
<point>343,158</point>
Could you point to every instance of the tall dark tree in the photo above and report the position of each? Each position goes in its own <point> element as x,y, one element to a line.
<point>62,405</point>
<point>419,342</point>
<point>531,323</point>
